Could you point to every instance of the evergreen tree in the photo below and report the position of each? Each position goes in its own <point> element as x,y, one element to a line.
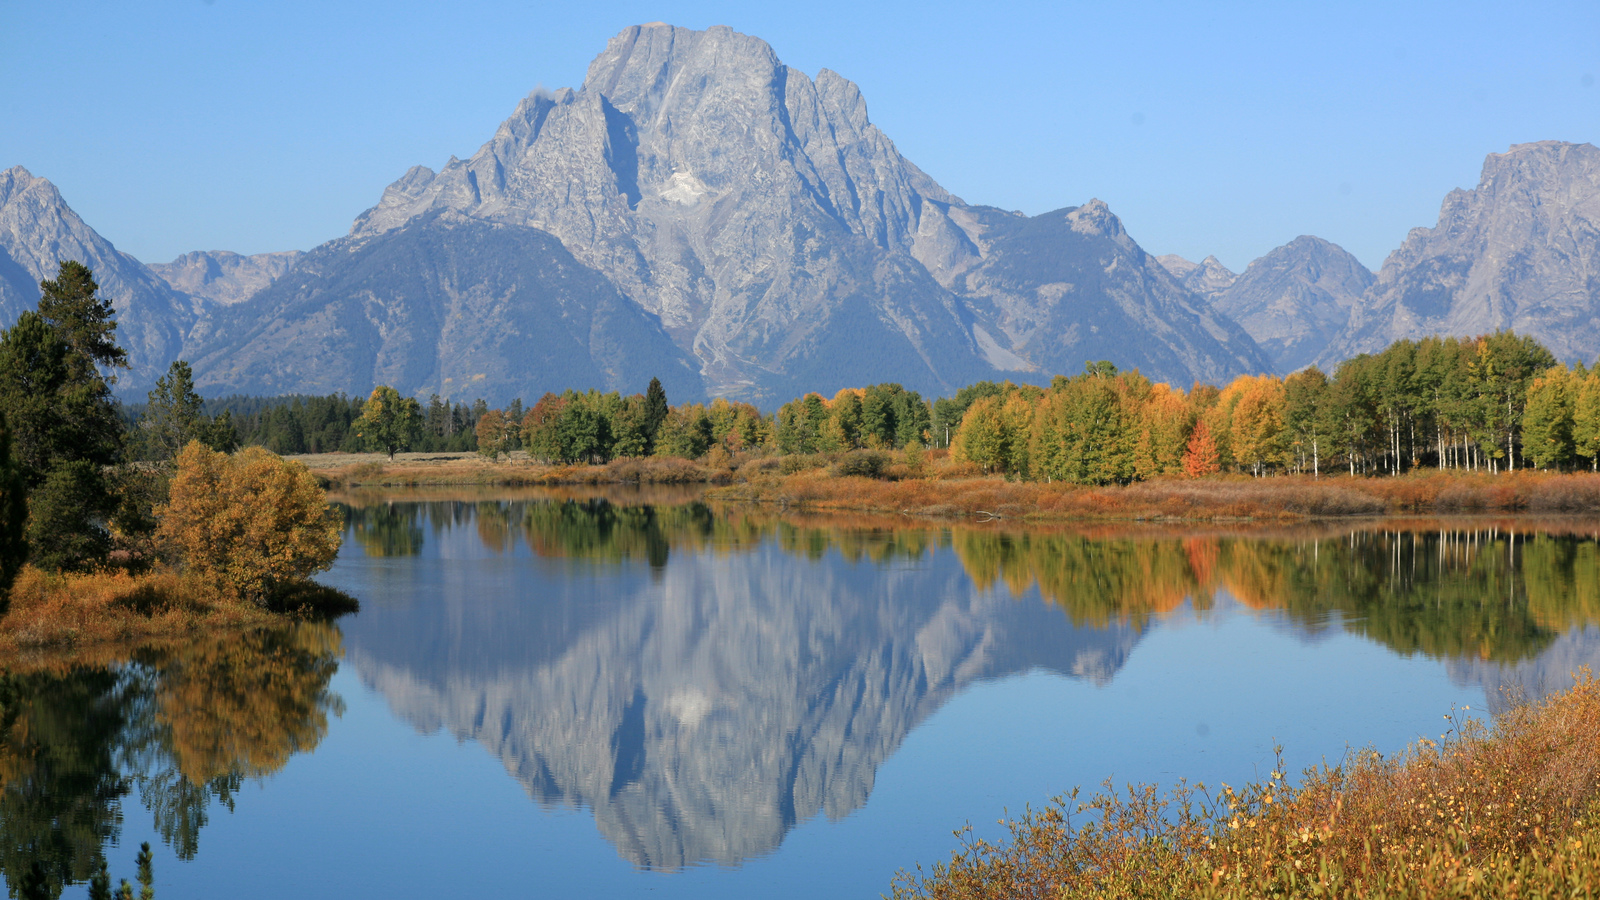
<point>100,884</point>
<point>64,427</point>
<point>67,516</point>
<point>73,306</point>
<point>655,412</point>
<point>13,516</point>
<point>172,417</point>
<point>147,878</point>
<point>58,407</point>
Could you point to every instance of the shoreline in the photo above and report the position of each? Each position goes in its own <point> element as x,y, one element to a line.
<point>949,492</point>
<point>113,612</point>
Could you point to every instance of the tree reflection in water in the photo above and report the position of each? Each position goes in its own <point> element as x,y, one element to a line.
<point>764,675</point>
<point>1449,590</point>
<point>183,723</point>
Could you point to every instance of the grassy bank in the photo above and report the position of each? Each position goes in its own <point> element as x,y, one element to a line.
<point>1507,811</point>
<point>112,609</point>
<point>956,493</point>
<point>375,470</point>
<point>932,485</point>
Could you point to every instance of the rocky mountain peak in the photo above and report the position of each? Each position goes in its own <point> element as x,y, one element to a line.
<point>1208,277</point>
<point>1096,218</point>
<point>223,277</point>
<point>1296,299</point>
<point>38,230</point>
<point>1515,252</point>
<point>779,238</point>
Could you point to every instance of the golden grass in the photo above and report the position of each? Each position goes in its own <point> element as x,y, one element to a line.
<point>949,490</point>
<point>115,609</point>
<point>1504,812</point>
<point>351,470</point>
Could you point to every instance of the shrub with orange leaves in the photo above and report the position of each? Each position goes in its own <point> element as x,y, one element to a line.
<point>251,521</point>
<point>1501,812</point>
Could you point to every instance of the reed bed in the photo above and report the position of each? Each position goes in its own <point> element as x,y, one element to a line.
<point>1487,812</point>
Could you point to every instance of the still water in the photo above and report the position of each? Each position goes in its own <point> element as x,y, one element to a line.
<point>557,695</point>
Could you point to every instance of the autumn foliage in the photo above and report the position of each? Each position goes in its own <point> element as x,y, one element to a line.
<point>251,521</point>
<point>1502,812</point>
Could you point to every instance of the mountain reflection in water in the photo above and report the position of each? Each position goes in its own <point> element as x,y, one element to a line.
<point>702,709</point>
<point>182,723</point>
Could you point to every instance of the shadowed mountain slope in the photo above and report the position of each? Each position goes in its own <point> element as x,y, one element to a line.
<point>446,304</point>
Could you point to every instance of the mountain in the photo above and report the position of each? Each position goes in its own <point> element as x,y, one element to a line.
<point>38,230</point>
<point>1067,287</point>
<point>1519,251</point>
<point>1297,300</point>
<point>221,277</point>
<point>774,232</point>
<point>1208,277</point>
<point>444,304</point>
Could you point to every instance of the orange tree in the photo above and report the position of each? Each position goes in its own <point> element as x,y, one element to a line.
<point>250,521</point>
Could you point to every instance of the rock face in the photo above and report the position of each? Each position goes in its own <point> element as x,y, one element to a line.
<point>1520,251</point>
<point>443,304</point>
<point>1297,300</point>
<point>784,242</point>
<point>1068,287</point>
<point>705,709</point>
<point>224,278</point>
<point>38,230</point>
<point>1208,277</point>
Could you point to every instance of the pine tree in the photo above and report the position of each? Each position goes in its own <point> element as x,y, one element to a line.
<point>72,304</point>
<point>13,516</point>
<point>173,416</point>
<point>147,878</point>
<point>100,884</point>
<point>655,412</point>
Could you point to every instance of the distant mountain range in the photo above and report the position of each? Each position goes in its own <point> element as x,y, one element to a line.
<point>1521,251</point>
<point>699,211</point>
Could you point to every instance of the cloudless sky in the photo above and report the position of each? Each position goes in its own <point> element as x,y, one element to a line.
<point>1225,128</point>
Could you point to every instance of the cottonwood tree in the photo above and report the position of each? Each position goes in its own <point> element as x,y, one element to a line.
<point>251,521</point>
<point>497,434</point>
<point>389,421</point>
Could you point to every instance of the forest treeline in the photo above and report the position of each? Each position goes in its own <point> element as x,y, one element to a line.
<point>1494,403</point>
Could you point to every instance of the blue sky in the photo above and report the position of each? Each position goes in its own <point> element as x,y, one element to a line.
<point>1226,128</point>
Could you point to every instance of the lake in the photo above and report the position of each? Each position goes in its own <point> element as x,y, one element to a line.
<point>632,693</point>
